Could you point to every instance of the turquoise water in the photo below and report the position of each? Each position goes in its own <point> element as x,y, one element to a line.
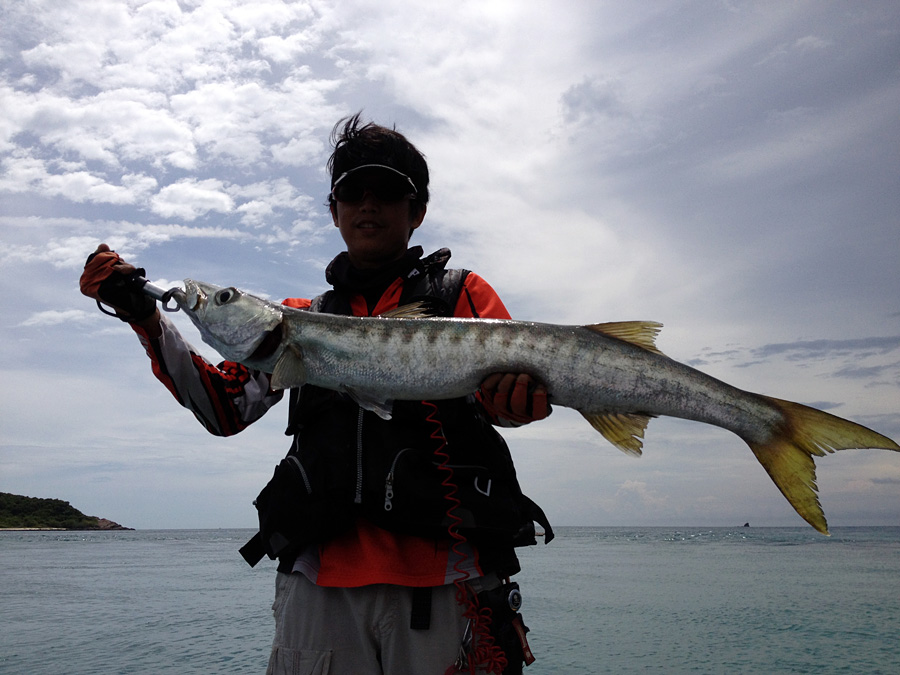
<point>716,601</point>
<point>598,600</point>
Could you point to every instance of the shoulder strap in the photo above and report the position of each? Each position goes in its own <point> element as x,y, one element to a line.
<point>321,302</point>
<point>432,283</point>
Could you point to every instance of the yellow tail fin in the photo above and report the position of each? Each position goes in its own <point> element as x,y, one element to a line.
<point>788,456</point>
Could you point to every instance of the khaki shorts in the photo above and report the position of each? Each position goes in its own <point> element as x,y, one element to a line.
<point>361,631</point>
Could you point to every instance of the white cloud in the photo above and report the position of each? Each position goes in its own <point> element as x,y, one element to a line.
<point>190,198</point>
<point>255,212</point>
<point>270,16</point>
<point>226,118</point>
<point>288,48</point>
<point>803,45</point>
<point>812,43</point>
<point>279,192</point>
<point>169,80</point>
<point>75,59</point>
<point>634,490</point>
<point>28,174</point>
<point>57,317</point>
<point>111,127</point>
<point>297,151</point>
<point>64,251</point>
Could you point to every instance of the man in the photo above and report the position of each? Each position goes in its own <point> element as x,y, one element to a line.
<point>394,537</point>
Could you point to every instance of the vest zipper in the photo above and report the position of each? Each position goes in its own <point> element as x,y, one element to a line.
<point>389,482</point>
<point>299,467</point>
<point>359,458</point>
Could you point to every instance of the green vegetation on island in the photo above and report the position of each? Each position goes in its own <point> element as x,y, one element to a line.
<point>32,513</point>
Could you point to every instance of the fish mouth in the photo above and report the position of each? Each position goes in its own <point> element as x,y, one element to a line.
<point>192,297</point>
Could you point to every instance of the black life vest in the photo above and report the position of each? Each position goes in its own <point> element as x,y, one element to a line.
<point>346,462</point>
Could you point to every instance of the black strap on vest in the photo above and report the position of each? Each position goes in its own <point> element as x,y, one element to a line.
<point>437,287</point>
<point>420,615</point>
<point>253,551</point>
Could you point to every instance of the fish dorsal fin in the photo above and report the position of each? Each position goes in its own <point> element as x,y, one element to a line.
<point>640,333</point>
<point>623,430</point>
<point>289,371</point>
<point>414,310</point>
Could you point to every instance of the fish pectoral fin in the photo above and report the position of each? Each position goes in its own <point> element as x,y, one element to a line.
<point>289,371</point>
<point>366,401</point>
<point>640,333</point>
<point>413,310</point>
<point>623,430</point>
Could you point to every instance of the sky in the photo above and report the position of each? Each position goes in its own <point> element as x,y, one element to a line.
<point>727,169</point>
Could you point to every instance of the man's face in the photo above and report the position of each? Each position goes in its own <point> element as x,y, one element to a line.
<point>375,225</point>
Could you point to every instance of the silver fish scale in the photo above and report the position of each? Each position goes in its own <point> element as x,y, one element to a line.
<point>583,369</point>
<point>415,359</point>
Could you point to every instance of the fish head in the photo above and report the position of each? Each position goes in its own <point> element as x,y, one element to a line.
<point>240,326</point>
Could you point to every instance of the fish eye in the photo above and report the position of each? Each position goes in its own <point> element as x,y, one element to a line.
<point>226,295</point>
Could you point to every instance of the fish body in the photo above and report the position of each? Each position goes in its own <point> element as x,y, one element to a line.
<point>611,373</point>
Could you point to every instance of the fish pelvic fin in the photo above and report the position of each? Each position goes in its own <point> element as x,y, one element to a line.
<point>289,371</point>
<point>623,430</point>
<point>367,401</point>
<point>806,432</point>
<point>640,333</point>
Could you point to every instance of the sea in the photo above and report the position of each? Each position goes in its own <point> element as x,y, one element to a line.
<point>597,600</point>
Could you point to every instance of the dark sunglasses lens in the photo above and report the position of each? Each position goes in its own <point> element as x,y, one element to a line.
<point>385,189</point>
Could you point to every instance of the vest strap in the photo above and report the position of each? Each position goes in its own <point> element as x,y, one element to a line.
<point>420,615</point>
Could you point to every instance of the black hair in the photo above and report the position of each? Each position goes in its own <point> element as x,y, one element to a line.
<point>356,144</point>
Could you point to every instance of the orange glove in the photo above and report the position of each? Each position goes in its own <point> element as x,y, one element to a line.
<point>105,279</point>
<point>515,397</point>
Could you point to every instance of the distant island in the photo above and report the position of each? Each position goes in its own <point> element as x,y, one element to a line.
<point>32,513</point>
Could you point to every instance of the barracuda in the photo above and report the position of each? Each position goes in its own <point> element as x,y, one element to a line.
<point>611,373</point>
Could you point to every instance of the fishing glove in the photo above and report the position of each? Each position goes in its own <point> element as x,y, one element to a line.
<point>515,399</point>
<point>104,283</point>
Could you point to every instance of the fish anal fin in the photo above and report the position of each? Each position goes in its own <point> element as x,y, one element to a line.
<point>640,333</point>
<point>623,430</point>
<point>289,371</point>
<point>806,432</point>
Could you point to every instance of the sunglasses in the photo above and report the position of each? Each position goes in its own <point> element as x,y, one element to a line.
<point>384,183</point>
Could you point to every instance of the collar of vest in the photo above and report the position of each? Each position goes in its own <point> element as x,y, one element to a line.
<point>348,279</point>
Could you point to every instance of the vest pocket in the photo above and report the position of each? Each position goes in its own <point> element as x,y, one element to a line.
<point>301,504</point>
<point>415,495</point>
